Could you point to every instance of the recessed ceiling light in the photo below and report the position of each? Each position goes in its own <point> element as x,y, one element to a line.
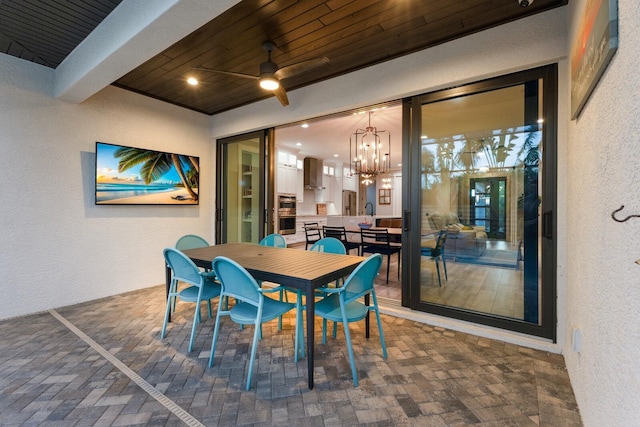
<point>304,125</point>
<point>298,144</point>
<point>192,81</point>
<point>336,155</point>
<point>424,137</point>
<point>540,120</point>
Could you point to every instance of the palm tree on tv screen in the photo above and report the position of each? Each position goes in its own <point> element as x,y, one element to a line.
<point>155,164</point>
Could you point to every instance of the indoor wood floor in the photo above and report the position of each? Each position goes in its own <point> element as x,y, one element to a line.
<point>486,289</point>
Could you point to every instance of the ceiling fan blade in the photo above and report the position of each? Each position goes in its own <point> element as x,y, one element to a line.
<point>300,67</point>
<point>230,73</point>
<point>281,95</point>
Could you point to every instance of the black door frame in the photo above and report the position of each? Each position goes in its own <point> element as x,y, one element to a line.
<point>266,190</point>
<point>412,119</point>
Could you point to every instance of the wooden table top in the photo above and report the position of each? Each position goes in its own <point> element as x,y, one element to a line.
<point>290,267</point>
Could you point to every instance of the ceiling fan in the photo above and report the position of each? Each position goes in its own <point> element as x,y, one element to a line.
<point>271,73</point>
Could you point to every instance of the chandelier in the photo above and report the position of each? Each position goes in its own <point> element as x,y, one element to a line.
<point>367,155</point>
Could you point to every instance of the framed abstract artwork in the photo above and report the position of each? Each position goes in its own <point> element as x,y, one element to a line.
<point>592,50</point>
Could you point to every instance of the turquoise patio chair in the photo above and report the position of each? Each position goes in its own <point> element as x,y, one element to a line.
<point>329,245</point>
<point>277,241</point>
<point>189,241</point>
<point>202,287</point>
<point>252,307</point>
<point>343,304</point>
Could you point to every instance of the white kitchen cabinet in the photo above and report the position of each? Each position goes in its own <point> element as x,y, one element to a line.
<point>299,185</point>
<point>349,182</point>
<point>289,175</point>
<point>286,179</point>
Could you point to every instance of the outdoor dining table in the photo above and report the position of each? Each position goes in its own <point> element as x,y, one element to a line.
<point>293,268</point>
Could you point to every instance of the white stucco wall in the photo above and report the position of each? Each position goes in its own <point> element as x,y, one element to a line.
<point>58,248</point>
<point>521,45</point>
<point>602,276</point>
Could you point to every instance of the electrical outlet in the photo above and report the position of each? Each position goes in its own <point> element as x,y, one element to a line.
<point>577,340</point>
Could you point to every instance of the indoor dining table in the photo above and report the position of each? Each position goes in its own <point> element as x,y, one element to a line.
<point>294,268</point>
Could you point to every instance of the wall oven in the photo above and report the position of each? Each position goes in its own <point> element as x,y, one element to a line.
<point>286,213</point>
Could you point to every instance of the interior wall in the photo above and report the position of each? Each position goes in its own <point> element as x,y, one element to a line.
<point>602,274</point>
<point>59,248</point>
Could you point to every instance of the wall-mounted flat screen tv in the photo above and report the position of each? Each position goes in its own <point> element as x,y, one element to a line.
<point>137,176</point>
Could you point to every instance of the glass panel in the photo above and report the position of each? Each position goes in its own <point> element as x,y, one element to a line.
<point>479,193</point>
<point>241,191</point>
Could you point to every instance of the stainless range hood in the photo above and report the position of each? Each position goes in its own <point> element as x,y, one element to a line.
<point>312,174</point>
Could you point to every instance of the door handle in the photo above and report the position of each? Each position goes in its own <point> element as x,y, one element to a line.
<point>405,220</point>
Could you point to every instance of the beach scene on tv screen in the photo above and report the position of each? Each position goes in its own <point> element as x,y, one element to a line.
<point>128,175</point>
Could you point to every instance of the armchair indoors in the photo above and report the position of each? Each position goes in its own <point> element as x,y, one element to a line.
<point>462,240</point>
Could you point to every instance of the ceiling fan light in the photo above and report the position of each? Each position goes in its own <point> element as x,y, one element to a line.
<point>269,83</point>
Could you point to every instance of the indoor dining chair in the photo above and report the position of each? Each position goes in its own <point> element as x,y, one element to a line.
<point>311,233</point>
<point>379,242</point>
<point>252,306</point>
<point>343,304</point>
<point>437,254</point>
<point>201,287</point>
<point>340,233</point>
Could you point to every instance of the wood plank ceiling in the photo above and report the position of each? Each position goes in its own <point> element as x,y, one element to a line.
<point>46,31</point>
<point>353,34</point>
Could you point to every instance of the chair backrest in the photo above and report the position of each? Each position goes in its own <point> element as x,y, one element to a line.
<point>236,281</point>
<point>191,241</point>
<point>275,240</point>
<point>360,281</point>
<point>335,231</point>
<point>330,245</point>
<point>312,231</point>
<point>375,238</point>
<point>440,241</point>
<point>182,267</point>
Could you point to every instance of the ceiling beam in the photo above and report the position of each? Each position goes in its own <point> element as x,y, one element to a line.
<point>133,33</point>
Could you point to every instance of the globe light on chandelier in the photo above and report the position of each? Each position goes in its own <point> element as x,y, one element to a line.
<point>369,152</point>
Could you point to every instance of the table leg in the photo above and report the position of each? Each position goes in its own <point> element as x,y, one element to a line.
<point>167,278</point>
<point>311,312</point>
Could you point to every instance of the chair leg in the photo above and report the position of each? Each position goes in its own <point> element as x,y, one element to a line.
<point>388,264</point>
<point>375,308</point>
<point>438,270</point>
<point>444,263</point>
<point>254,348</point>
<point>324,331</point>
<point>216,331</point>
<point>196,320</point>
<point>299,341</point>
<point>166,316</point>
<point>347,338</point>
<point>398,265</point>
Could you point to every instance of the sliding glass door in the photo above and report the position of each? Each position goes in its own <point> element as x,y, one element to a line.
<point>483,180</point>
<point>244,198</point>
